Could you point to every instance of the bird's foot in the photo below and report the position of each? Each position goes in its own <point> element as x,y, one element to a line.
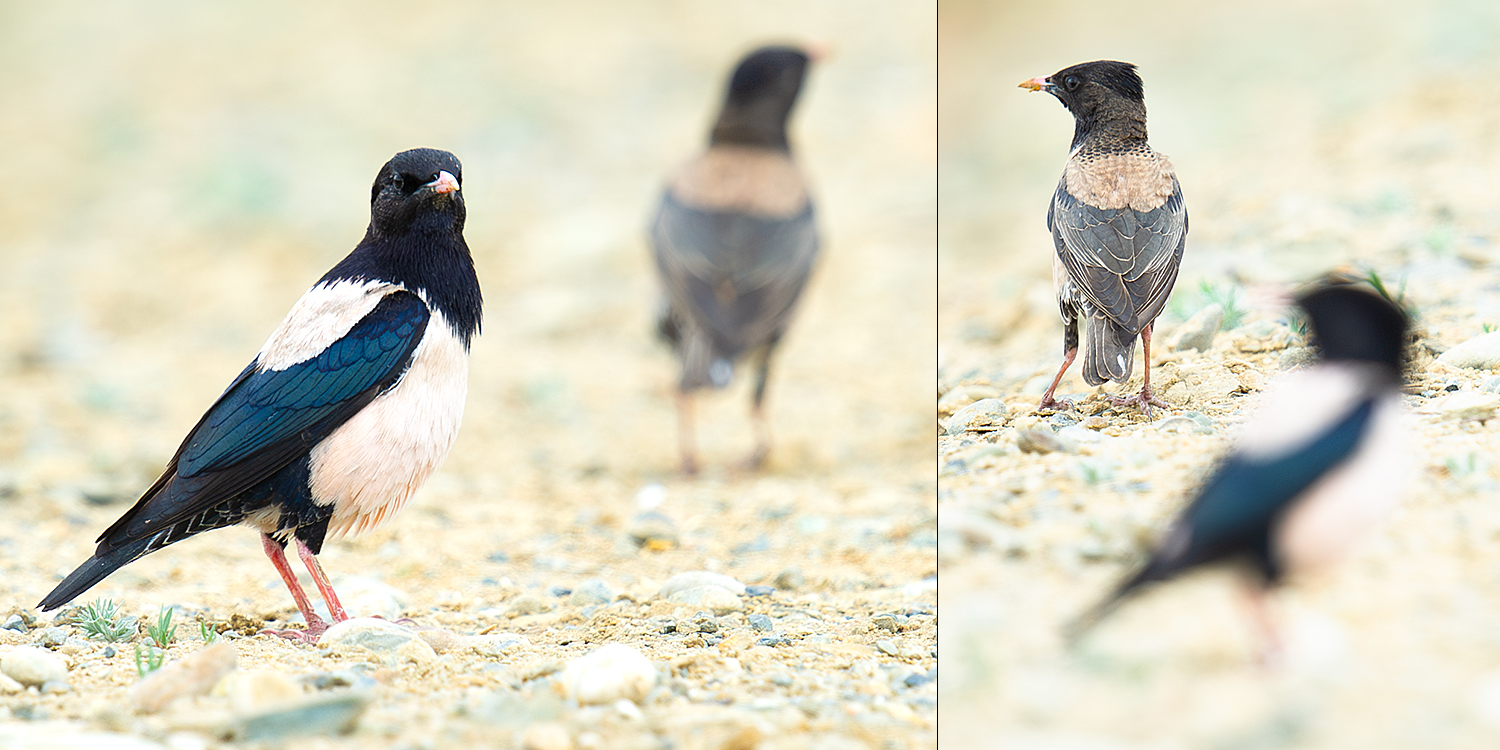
<point>1145,400</point>
<point>1049,403</point>
<point>755,461</point>
<point>308,636</point>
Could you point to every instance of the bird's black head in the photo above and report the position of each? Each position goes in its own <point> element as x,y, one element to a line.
<point>761,94</point>
<point>413,183</point>
<point>1354,322</point>
<point>1097,92</point>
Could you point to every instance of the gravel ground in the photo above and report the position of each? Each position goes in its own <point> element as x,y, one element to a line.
<point>183,173</point>
<point>1306,139</point>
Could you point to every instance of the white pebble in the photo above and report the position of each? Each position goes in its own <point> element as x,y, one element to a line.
<point>695,578</point>
<point>388,639</point>
<point>30,665</point>
<point>608,674</point>
<point>1480,352</point>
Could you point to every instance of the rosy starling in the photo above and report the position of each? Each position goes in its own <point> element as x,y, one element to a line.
<point>735,240</point>
<point>1118,224</point>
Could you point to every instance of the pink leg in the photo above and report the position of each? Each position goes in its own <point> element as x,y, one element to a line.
<point>1145,399</point>
<point>321,579</point>
<point>757,458</point>
<point>315,624</point>
<point>1260,617</point>
<point>1049,403</point>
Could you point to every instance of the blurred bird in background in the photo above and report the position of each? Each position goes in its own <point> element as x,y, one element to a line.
<point>735,240</point>
<point>1321,462</point>
<point>1118,224</point>
<point>351,404</point>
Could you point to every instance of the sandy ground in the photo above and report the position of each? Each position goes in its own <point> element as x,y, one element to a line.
<point>181,173</point>
<point>1305,139</point>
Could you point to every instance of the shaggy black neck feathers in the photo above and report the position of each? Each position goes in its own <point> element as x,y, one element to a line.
<point>762,91</point>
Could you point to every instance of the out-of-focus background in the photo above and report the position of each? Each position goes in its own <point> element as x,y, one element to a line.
<point>179,173</point>
<point>1307,137</point>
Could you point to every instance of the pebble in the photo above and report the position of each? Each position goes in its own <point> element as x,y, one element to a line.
<point>1078,434</point>
<point>1042,440</point>
<point>391,641</point>
<point>705,623</point>
<point>887,646</point>
<point>1491,384</point>
<point>192,675</point>
<point>1295,357</point>
<point>1465,405</point>
<point>9,685</point>
<point>1198,331</point>
<point>960,396</point>
<point>1183,426</point>
<point>773,641</point>
<point>331,714</point>
<point>30,666</point>
<point>608,674</point>
<point>344,678</point>
<point>527,604</point>
<point>370,596</point>
<point>781,679</point>
<point>698,578</point>
<point>52,687</point>
<point>1094,423</point>
<point>712,598</point>
<point>985,414</point>
<point>257,690</point>
<point>917,679</point>
<point>760,623</point>
<point>1478,353</point>
<point>790,579</point>
<point>495,645</point>
<point>759,590</point>
<point>53,637</point>
<point>885,622</point>
<point>590,593</point>
<point>652,531</point>
<point>14,622</point>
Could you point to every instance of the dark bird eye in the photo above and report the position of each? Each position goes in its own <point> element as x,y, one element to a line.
<point>1071,82</point>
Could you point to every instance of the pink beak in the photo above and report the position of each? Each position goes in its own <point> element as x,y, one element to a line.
<point>1034,84</point>
<point>445,183</point>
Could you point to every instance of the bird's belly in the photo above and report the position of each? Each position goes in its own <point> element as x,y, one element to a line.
<point>1323,525</point>
<point>370,466</point>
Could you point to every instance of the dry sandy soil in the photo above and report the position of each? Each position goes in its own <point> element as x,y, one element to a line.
<point>179,174</point>
<point>1346,135</point>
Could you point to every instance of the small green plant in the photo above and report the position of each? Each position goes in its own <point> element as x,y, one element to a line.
<point>162,631</point>
<point>207,632</point>
<point>101,620</point>
<point>1488,327</point>
<point>1228,298</point>
<point>149,663</point>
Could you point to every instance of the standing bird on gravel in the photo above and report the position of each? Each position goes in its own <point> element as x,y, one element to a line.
<point>1118,224</point>
<point>347,409</point>
<point>1321,462</point>
<point>735,241</point>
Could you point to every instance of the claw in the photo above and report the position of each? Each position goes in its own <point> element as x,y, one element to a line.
<point>1145,400</point>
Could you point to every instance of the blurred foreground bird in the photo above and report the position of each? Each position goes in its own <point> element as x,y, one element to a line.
<point>735,241</point>
<point>1321,462</point>
<point>1118,224</point>
<point>351,404</point>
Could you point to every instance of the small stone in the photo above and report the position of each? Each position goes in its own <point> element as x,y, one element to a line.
<point>885,622</point>
<point>781,679</point>
<point>53,637</point>
<point>759,590</point>
<point>1077,434</point>
<point>1491,384</point>
<point>1478,353</point>
<point>760,623</point>
<point>526,604</point>
<point>1042,440</point>
<point>344,678</point>
<point>1295,357</point>
<point>1183,426</point>
<point>495,645</point>
<point>14,622</point>
<point>190,676</point>
<point>916,679</point>
<point>713,598</point>
<point>887,647</point>
<point>52,687</point>
<point>591,593</point>
<point>696,578</point>
<point>652,531</point>
<point>705,623</point>
<point>32,666</point>
<point>547,736</point>
<point>370,596</point>
<point>1094,423</point>
<point>790,579</point>
<point>391,641</point>
<point>608,674</point>
<point>984,415</point>
<point>1464,405</point>
<point>108,652</point>
<point>963,395</point>
<point>1198,331</point>
<point>773,641</point>
<point>331,714</point>
<point>9,685</point>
